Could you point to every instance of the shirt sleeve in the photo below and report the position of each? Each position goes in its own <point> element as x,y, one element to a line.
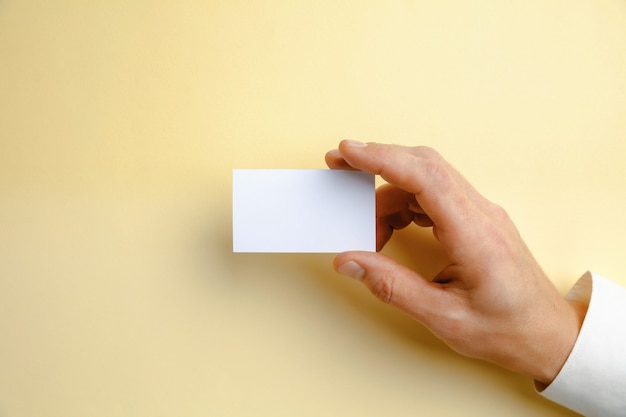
<point>593,380</point>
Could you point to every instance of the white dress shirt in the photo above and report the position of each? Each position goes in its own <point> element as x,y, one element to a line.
<point>593,380</point>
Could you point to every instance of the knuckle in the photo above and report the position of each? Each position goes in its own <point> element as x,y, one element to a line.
<point>382,288</point>
<point>386,160</point>
<point>436,169</point>
<point>501,233</point>
<point>441,178</point>
<point>427,152</point>
<point>498,212</point>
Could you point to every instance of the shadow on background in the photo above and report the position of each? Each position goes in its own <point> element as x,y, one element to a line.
<point>417,248</point>
<point>310,278</point>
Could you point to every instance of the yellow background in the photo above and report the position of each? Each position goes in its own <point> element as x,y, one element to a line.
<point>120,123</point>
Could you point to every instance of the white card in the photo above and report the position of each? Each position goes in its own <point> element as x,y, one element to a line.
<point>284,210</point>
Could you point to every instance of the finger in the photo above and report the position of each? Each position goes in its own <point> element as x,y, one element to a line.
<point>391,200</point>
<point>396,209</point>
<point>392,204</point>
<point>422,220</point>
<point>393,283</point>
<point>399,207</point>
<point>438,188</point>
<point>334,160</point>
<point>385,226</point>
<point>384,231</point>
<point>418,151</point>
<point>392,212</point>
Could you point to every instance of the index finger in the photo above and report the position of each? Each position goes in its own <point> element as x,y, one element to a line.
<point>438,188</point>
<point>334,160</point>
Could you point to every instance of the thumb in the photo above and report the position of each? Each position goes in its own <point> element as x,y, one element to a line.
<point>390,282</point>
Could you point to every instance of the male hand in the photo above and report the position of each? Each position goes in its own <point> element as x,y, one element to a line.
<point>493,301</point>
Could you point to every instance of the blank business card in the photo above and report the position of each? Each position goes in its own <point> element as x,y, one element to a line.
<point>284,210</point>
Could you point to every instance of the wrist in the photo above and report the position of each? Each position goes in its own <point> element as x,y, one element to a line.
<point>564,338</point>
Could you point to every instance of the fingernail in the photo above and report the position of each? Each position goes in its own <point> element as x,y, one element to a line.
<point>352,269</point>
<point>355,143</point>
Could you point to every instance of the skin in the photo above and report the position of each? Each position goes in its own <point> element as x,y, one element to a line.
<point>493,301</point>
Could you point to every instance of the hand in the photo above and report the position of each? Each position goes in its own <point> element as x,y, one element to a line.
<point>493,301</point>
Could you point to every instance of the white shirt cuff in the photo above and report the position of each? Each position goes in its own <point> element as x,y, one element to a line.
<point>593,380</point>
